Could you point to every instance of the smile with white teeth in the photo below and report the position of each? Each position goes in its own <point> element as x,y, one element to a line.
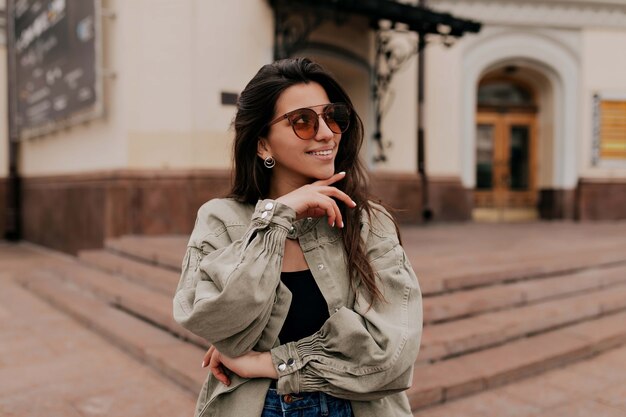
<point>321,153</point>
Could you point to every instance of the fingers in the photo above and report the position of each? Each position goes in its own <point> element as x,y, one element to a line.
<point>215,366</point>
<point>340,195</point>
<point>207,356</point>
<point>332,212</point>
<point>314,200</point>
<point>337,177</point>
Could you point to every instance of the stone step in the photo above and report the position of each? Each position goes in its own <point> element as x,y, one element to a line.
<point>471,302</point>
<point>460,336</point>
<point>464,270</point>
<point>448,259</point>
<point>172,357</point>
<point>592,387</point>
<point>474,277</point>
<point>479,371</point>
<point>164,251</point>
<point>140,272</point>
<point>145,303</point>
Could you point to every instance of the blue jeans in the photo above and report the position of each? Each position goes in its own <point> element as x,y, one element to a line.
<point>306,404</point>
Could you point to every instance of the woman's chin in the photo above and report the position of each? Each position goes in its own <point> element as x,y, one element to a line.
<point>324,175</point>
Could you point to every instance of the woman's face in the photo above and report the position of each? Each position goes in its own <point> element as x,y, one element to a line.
<point>300,162</point>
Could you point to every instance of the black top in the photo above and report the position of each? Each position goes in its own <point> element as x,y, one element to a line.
<point>308,310</point>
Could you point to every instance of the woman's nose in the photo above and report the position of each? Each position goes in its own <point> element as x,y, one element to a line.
<point>324,132</point>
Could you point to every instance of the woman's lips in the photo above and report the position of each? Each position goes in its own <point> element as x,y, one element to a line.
<point>323,155</point>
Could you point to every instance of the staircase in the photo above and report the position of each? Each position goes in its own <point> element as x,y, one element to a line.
<point>497,309</point>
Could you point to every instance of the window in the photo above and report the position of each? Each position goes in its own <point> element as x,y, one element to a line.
<point>504,93</point>
<point>609,135</point>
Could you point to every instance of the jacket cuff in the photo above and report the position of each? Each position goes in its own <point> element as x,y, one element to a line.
<point>287,363</point>
<point>270,211</point>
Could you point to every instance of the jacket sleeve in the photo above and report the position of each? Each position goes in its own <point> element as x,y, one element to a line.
<point>363,353</point>
<point>230,292</point>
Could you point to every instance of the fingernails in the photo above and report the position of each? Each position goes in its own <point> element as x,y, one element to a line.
<point>353,203</point>
<point>203,364</point>
<point>341,225</point>
<point>333,224</point>
<point>342,173</point>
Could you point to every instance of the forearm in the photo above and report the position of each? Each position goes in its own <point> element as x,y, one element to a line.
<point>228,290</point>
<point>251,365</point>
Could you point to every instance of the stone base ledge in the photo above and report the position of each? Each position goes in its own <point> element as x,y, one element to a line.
<point>79,211</point>
<point>601,199</point>
<point>3,205</point>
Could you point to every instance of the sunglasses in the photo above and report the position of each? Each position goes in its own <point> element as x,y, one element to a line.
<point>305,121</point>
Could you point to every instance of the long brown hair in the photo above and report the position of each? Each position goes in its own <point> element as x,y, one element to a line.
<point>251,182</point>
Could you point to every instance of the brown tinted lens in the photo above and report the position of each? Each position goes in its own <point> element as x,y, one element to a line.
<point>304,123</point>
<point>337,117</point>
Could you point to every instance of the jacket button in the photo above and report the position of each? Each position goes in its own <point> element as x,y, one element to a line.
<point>282,367</point>
<point>291,362</point>
<point>320,266</point>
<point>269,206</point>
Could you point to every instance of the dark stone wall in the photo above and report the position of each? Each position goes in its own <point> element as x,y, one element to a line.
<point>556,204</point>
<point>401,192</point>
<point>449,200</point>
<point>74,212</point>
<point>3,206</point>
<point>601,199</point>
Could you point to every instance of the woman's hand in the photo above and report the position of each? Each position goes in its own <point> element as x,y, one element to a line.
<point>314,200</point>
<point>251,365</point>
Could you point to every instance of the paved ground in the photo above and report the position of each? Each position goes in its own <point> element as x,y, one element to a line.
<point>53,365</point>
<point>592,388</point>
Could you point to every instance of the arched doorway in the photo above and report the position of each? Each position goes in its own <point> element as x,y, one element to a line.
<point>506,149</point>
<point>551,68</point>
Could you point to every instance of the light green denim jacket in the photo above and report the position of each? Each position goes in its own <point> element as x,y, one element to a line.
<point>230,293</point>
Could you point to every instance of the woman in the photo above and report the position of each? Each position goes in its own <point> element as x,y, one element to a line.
<point>297,280</point>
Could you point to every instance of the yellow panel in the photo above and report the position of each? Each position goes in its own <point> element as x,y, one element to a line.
<point>613,130</point>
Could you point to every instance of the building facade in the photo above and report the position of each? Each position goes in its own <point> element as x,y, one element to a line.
<point>524,120</point>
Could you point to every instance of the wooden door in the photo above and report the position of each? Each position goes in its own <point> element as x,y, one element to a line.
<point>506,160</point>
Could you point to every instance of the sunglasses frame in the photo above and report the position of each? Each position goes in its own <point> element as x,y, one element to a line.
<point>317,123</point>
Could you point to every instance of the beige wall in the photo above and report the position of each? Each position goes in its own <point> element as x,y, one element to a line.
<point>172,59</point>
<point>400,121</point>
<point>443,110</point>
<point>191,51</point>
<point>99,144</point>
<point>171,62</point>
<point>4,128</point>
<point>604,69</point>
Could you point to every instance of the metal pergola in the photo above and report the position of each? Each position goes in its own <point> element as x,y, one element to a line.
<point>296,19</point>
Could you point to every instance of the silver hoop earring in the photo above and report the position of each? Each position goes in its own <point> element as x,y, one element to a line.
<point>269,162</point>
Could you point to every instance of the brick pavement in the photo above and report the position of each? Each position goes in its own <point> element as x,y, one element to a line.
<point>522,320</point>
<point>595,387</point>
<point>52,366</point>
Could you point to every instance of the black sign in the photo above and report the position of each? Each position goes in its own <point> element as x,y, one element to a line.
<point>56,46</point>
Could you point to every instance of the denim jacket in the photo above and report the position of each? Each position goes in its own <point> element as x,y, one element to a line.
<point>230,293</point>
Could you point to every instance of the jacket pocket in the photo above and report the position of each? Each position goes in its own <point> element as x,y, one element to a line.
<point>215,388</point>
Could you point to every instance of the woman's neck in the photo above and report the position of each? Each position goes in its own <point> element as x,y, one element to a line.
<point>280,188</point>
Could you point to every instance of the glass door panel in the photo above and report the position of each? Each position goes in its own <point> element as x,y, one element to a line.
<point>484,156</point>
<point>519,157</point>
